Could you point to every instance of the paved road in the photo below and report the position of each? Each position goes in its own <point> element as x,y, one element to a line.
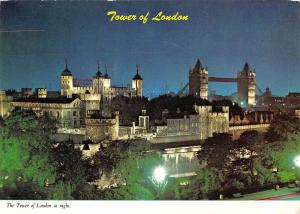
<point>284,193</point>
<point>292,196</point>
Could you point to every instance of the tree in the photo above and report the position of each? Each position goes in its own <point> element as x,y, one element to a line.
<point>251,142</point>
<point>129,108</point>
<point>206,185</point>
<point>131,165</point>
<point>283,154</point>
<point>70,164</point>
<point>61,191</point>
<point>1,122</point>
<point>127,192</point>
<point>87,192</point>
<point>215,151</point>
<point>172,103</point>
<point>30,163</point>
<point>24,191</point>
<point>24,150</point>
<point>282,126</point>
<point>74,172</point>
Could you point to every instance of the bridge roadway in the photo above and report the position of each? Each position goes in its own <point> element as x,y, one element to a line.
<point>222,79</point>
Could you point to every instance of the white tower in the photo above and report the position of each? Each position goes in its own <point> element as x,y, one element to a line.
<point>66,82</point>
<point>137,83</point>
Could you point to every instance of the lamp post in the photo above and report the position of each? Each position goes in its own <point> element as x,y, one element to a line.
<point>297,161</point>
<point>297,164</point>
<point>159,180</point>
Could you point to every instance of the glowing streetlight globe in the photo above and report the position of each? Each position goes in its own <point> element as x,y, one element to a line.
<point>297,161</point>
<point>159,174</point>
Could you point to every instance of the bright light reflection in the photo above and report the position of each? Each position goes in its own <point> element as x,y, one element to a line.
<point>297,161</point>
<point>159,174</point>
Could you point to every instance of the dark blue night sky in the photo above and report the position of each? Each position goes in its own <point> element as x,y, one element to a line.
<point>224,35</point>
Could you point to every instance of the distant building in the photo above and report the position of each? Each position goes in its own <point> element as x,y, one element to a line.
<point>26,92</point>
<point>293,99</point>
<point>41,92</point>
<point>267,99</point>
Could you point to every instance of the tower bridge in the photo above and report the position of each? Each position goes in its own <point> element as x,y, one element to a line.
<point>245,80</point>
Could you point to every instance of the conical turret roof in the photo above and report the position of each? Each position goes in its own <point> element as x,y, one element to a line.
<point>137,76</point>
<point>66,72</point>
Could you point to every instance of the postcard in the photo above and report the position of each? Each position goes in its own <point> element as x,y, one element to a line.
<point>145,106</point>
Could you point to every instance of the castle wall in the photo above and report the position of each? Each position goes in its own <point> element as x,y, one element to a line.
<point>204,124</point>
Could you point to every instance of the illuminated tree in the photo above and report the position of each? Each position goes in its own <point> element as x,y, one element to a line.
<point>129,108</point>
<point>216,151</point>
<point>283,154</point>
<point>282,126</point>
<point>206,185</point>
<point>69,164</point>
<point>24,150</point>
<point>130,164</point>
<point>252,142</point>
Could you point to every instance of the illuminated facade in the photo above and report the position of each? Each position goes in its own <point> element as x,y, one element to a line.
<point>100,84</point>
<point>66,111</point>
<point>5,101</point>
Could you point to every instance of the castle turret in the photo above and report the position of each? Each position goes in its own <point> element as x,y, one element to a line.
<point>107,80</point>
<point>66,81</point>
<point>137,83</point>
<point>98,79</point>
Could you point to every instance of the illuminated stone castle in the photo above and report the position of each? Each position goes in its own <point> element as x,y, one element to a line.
<point>203,124</point>
<point>99,87</point>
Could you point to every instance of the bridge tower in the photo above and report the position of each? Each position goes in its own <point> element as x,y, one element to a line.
<point>246,86</point>
<point>198,81</point>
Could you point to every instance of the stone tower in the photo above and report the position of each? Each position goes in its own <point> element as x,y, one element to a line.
<point>98,81</point>
<point>198,81</point>
<point>246,86</point>
<point>66,82</point>
<point>107,80</point>
<point>137,83</point>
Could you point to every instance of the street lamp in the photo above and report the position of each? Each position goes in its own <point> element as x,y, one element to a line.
<point>159,174</point>
<point>297,161</point>
<point>297,164</point>
<point>159,180</point>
